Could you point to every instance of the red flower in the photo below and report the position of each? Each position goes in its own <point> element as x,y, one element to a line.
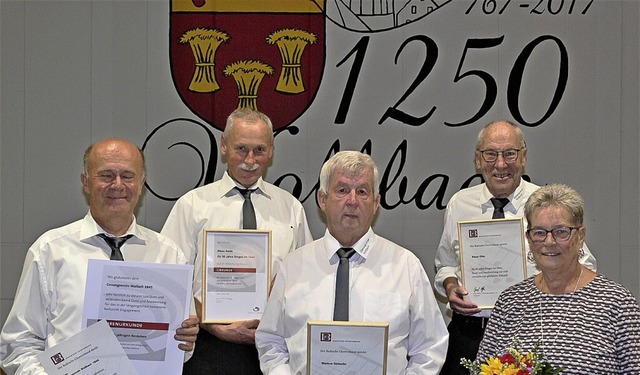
<point>507,358</point>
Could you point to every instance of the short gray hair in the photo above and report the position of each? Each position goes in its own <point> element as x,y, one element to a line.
<point>249,115</point>
<point>516,128</point>
<point>351,162</point>
<point>556,195</point>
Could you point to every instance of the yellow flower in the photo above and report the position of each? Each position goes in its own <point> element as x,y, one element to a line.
<point>511,362</point>
<point>510,371</point>
<point>492,367</point>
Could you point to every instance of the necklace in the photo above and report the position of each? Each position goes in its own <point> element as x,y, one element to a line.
<point>566,312</point>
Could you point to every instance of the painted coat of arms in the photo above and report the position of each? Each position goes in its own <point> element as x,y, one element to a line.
<point>264,54</point>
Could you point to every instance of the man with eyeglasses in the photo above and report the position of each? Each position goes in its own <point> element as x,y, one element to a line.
<point>500,156</point>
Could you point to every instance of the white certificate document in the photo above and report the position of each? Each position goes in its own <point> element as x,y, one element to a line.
<point>347,347</point>
<point>94,350</point>
<point>144,303</point>
<point>236,274</point>
<point>492,258</point>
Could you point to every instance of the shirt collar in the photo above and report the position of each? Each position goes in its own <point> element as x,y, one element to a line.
<point>485,199</point>
<point>228,186</point>
<point>362,247</point>
<point>90,229</point>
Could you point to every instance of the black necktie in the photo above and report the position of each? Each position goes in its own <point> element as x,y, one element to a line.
<point>498,207</point>
<point>248,213</point>
<point>115,243</point>
<point>341,307</point>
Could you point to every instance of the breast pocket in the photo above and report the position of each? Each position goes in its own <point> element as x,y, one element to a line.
<point>386,307</point>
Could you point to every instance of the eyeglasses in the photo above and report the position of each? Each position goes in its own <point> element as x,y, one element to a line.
<point>559,234</point>
<point>509,155</point>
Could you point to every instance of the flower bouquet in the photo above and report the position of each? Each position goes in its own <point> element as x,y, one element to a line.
<point>513,362</point>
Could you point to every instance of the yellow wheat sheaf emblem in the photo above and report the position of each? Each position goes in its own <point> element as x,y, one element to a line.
<point>267,55</point>
<point>291,44</point>
<point>204,43</point>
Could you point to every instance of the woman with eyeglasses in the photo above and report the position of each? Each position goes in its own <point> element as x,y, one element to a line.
<point>584,322</point>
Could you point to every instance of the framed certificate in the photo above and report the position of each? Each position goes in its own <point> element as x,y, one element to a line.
<point>236,274</point>
<point>492,257</point>
<point>347,347</point>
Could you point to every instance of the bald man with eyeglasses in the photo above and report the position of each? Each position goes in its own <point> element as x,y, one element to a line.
<point>501,157</point>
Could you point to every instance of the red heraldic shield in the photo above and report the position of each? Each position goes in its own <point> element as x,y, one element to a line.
<point>264,54</point>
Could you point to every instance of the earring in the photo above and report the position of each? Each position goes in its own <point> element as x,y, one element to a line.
<point>530,257</point>
<point>581,253</point>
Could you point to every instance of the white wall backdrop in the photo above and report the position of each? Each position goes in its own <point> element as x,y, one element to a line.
<point>73,72</point>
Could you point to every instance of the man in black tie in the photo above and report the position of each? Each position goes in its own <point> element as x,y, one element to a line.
<point>501,157</point>
<point>49,301</point>
<point>352,274</point>
<point>115,243</point>
<point>241,199</point>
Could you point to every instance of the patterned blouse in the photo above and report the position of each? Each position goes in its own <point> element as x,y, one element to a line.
<point>595,330</point>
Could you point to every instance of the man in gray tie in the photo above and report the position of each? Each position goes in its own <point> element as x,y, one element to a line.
<point>247,147</point>
<point>384,282</point>
<point>49,301</point>
<point>500,156</point>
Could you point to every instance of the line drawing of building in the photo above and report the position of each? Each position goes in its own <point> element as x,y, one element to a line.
<point>375,15</point>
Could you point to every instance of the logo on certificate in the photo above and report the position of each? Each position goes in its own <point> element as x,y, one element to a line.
<point>57,358</point>
<point>325,336</point>
<point>473,233</point>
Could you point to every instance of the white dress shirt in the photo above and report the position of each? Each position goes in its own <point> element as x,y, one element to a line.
<point>474,203</point>
<point>387,284</point>
<point>49,301</point>
<point>218,205</point>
